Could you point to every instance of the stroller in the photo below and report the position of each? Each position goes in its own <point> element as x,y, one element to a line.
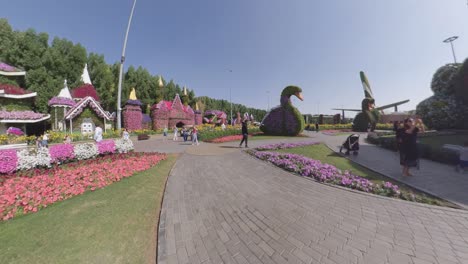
<point>351,144</point>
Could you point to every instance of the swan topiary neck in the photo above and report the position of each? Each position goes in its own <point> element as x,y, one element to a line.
<point>287,92</point>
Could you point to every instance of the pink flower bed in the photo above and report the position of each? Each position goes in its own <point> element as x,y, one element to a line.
<point>61,152</point>
<point>8,161</point>
<point>25,194</point>
<point>106,146</point>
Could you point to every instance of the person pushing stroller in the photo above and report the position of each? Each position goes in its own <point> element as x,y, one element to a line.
<point>351,144</point>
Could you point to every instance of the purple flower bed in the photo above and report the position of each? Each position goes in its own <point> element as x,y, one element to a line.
<point>29,115</point>
<point>8,161</point>
<point>61,101</point>
<point>61,152</point>
<point>286,145</point>
<point>106,146</point>
<point>326,173</point>
<point>7,68</point>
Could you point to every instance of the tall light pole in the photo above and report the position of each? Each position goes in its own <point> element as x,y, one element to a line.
<point>268,94</point>
<point>451,40</point>
<point>230,100</point>
<point>122,60</point>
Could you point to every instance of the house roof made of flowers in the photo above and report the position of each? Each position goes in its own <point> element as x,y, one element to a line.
<point>85,102</point>
<point>8,70</point>
<point>22,117</point>
<point>84,91</point>
<point>169,105</point>
<point>15,92</point>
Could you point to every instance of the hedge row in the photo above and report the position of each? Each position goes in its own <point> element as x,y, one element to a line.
<point>425,151</point>
<point>206,135</point>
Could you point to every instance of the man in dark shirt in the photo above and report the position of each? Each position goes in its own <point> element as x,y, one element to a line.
<point>245,134</point>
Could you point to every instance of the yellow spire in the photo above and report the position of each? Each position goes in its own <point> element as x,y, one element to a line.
<point>196,106</point>
<point>132,95</point>
<point>160,82</point>
<point>185,90</point>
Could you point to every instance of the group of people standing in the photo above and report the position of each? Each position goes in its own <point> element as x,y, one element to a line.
<point>185,133</point>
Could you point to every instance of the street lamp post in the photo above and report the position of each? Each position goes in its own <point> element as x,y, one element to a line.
<point>230,100</point>
<point>268,94</point>
<point>451,40</point>
<point>122,60</point>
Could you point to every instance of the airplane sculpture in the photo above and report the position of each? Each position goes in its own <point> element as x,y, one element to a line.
<point>368,108</point>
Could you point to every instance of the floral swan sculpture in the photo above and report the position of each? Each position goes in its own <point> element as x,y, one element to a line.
<point>285,119</point>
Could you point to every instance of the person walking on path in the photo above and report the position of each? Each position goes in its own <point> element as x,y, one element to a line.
<point>195,136</point>
<point>165,133</point>
<point>98,134</point>
<point>176,131</point>
<point>184,134</point>
<point>317,127</point>
<point>245,134</point>
<point>407,139</point>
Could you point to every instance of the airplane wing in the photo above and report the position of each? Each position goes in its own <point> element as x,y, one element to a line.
<point>366,85</point>
<point>343,109</point>
<point>391,105</point>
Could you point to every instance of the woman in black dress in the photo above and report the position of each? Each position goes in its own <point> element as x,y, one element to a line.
<point>407,139</point>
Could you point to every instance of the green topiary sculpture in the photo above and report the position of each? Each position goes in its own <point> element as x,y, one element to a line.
<point>284,120</point>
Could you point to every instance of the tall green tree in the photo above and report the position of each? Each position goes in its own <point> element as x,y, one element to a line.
<point>103,80</point>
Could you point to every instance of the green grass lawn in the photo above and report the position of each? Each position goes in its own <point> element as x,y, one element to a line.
<point>117,224</point>
<point>439,141</point>
<point>325,155</point>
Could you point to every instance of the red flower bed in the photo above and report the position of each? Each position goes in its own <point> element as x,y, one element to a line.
<point>32,190</point>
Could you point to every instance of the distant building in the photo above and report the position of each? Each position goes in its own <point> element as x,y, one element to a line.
<point>174,113</point>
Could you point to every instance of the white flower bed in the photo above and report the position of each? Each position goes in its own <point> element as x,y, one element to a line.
<point>85,151</point>
<point>124,145</point>
<point>28,159</point>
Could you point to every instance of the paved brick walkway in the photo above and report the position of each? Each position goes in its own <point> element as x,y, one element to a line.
<point>231,208</point>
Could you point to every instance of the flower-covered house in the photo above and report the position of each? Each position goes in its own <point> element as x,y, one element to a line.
<point>17,104</point>
<point>87,112</point>
<point>174,113</point>
<point>60,105</point>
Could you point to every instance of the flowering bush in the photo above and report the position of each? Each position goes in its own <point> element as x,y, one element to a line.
<point>106,147</point>
<point>123,145</point>
<point>21,195</point>
<point>85,90</point>
<point>61,152</point>
<point>61,101</point>
<point>326,173</point>
<point>13,89</point>
<point>8,161</point>
<point>29,159</point>
<point>226,139</point>
<point>85,151</point>
<point>28,115</point>
<point>286,145</point>
<point>14,131</point>
<point>11,160</point>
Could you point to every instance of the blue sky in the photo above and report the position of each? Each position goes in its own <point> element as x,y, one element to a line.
<point>255,46</point>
